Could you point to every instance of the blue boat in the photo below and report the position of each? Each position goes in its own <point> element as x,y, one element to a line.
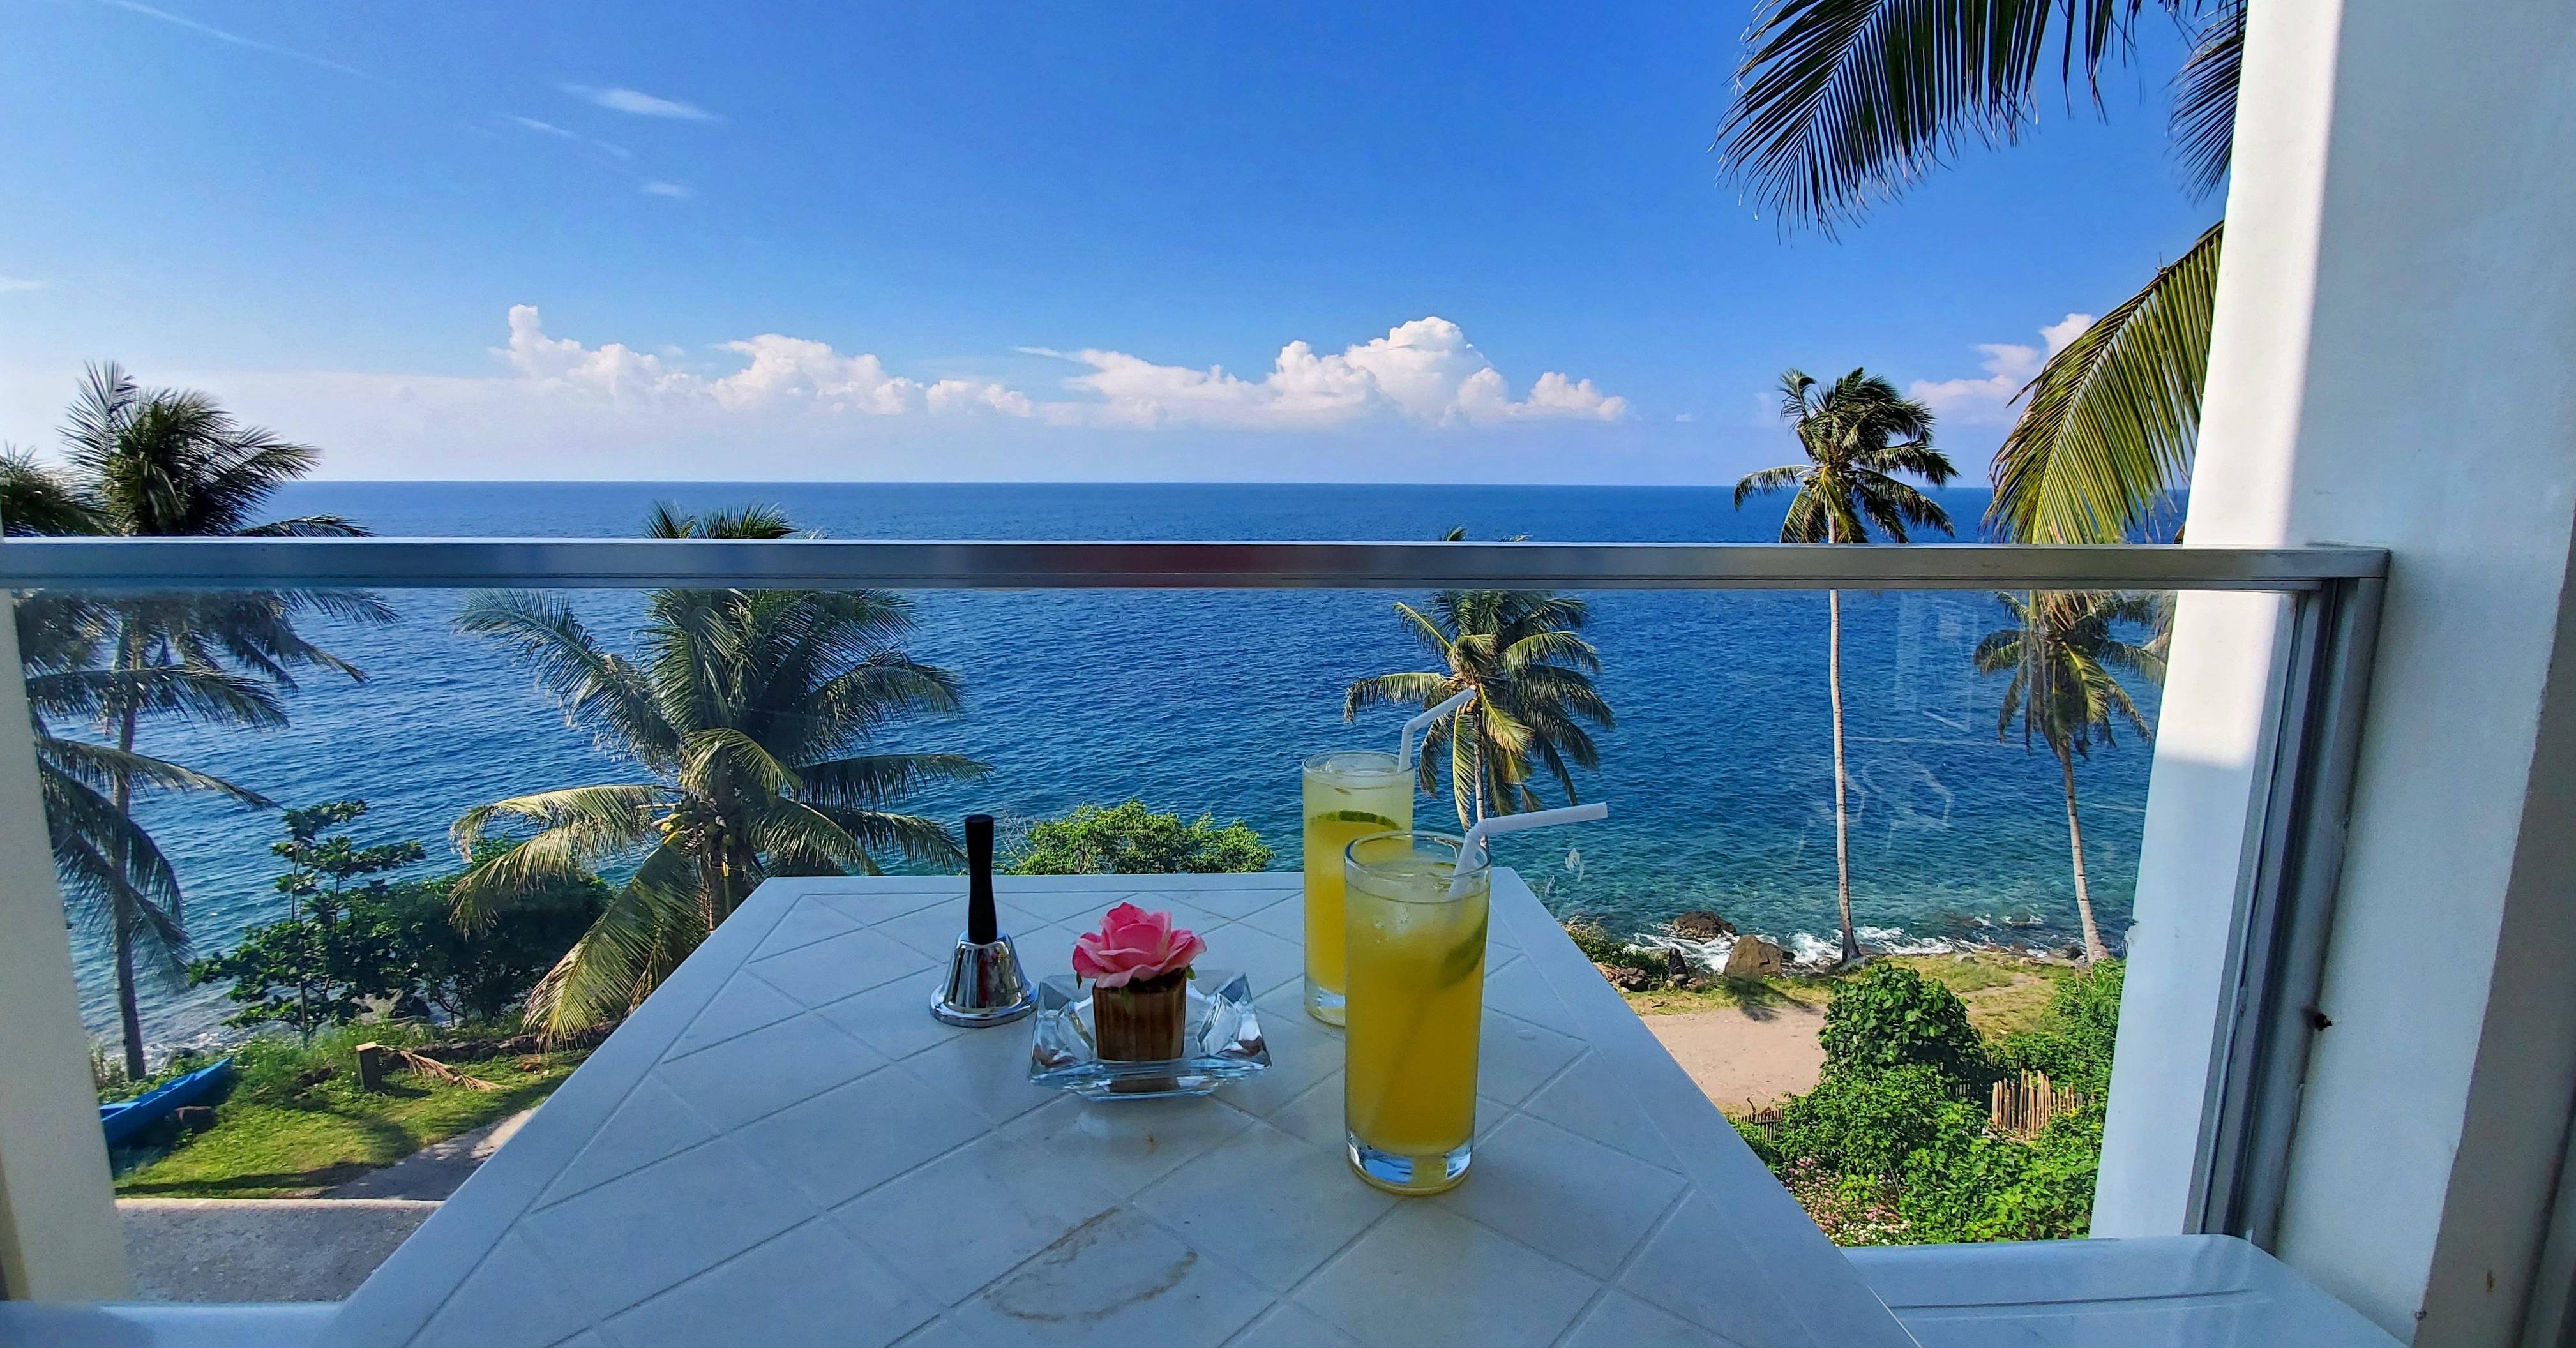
<point>127,1118</point>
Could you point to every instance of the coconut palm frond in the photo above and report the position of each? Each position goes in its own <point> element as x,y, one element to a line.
<point>1842,104</point>
<point>1416,688</point>
<point>647,927</point>
<point>752,709</point>
<point>1532,673</point>
<point>103,765</point>
<point>917,838</point>
<point>867,781</point>
<point>2204,111</point>
<point>195,693</point>
<point>36,500</point>
<point>2106,433</point>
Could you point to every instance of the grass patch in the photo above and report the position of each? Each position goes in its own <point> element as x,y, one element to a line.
<point>296,1122</point>
<point>2004,992</point>
<point>1753,995</point>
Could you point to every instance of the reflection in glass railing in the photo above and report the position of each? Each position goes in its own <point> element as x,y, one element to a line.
<point>563,790</point>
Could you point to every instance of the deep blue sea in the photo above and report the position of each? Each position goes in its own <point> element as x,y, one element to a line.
<point>1719,771</point>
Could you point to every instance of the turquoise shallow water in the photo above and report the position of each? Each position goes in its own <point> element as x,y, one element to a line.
<point>1719,771</point>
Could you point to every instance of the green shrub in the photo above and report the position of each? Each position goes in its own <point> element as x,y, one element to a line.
<point>1989,1187</point>
<point>1867,1122</point>
<point>2074,1039</point>
<point>1128,839</point>
<point>479,976</point>
<point>351,945</point>
<point>1892,1017</point>
<point>1758,1138</point>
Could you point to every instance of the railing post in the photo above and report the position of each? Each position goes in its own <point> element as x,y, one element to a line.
<point>59,1239</point>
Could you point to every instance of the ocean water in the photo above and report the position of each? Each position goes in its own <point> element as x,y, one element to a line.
<point>1719,771</point>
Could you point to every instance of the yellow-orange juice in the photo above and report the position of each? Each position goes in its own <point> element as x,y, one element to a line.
<point>1348,795</point>
<point>1416,995</point>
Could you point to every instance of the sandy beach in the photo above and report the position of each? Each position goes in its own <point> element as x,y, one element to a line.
<point>1742,1059</point>
<point>1748,1056</point>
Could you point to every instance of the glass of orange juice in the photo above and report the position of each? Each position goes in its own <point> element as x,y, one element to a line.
<point>1347,794</point>
<point>1415,910</point>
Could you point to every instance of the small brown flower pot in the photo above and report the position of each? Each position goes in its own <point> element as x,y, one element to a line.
<point>1146,1021</point>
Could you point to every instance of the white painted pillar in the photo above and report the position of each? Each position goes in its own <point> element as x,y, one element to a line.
<point>58,1234</point>
<point>2394,365</point>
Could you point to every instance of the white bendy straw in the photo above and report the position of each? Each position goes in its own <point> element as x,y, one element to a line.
<point>1514,823</point>
<point>1404,739</point>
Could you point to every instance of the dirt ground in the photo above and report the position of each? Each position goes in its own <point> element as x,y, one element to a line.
<point>1742,1058</point>
<point>1760,1049</point>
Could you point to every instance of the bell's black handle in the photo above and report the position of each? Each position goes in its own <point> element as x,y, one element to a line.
<point>983,926</point>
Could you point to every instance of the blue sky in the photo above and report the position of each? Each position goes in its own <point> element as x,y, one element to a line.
<point>966,241</point>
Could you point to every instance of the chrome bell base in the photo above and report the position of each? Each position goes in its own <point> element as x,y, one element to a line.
<point>985,985</point>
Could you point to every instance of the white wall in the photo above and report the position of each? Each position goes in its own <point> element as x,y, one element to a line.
<point>58,1234</point>
<point>2395,365</point>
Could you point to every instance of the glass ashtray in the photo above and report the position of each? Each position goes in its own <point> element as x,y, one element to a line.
<point>1224,1034</point>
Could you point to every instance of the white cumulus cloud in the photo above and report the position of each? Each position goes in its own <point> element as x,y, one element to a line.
<point>640,104</point>
<point>1424,373</point>
<point>1425,370</point>
<point>779,372</point>
<point>2009,366</point>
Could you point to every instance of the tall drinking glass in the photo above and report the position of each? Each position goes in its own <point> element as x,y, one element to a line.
<point>1347,794</point>
<point>1415,937</point>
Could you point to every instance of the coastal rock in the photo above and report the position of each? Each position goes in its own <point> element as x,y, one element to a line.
<point>1677,966</point>
<point>1754,957</point>
<point>1623,978</point>
<point>1699,924</point>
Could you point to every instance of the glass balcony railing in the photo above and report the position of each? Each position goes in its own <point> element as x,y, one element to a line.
<point>802,707</point>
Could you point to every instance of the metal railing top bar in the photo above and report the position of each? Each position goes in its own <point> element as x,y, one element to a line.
<point>140,564</point>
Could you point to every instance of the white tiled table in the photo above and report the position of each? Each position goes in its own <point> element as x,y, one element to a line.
<point>782,1148</point>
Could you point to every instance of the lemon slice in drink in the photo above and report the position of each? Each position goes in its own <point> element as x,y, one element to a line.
<point>1356,817</point>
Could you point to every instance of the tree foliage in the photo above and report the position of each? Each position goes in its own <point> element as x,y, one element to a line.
<point>1894,1144</point>
<point>1523,653</point>
<point>2104,441</point>
<point>155,462</point>
<point>1867,1122</point>
<point>2073,1042</point>
<point>1129,839</point>
<point>344,947</point>
<point>751,716</point>
<point>1840,105</point>
<point>1891,1017</point>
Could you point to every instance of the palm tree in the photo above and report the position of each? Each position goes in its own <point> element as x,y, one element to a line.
<point>1520,650</point>
<point>1858,432</point>
<point>115,877</point>
<point>1842,104</point>
<point>154,463</point>
<point>2064,653</point>
<point>746,711</point>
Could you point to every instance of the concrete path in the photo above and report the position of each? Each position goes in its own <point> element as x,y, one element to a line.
<point>260,1249</point>
<point>434,1171</point>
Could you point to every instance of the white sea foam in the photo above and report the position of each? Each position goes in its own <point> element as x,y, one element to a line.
<point>1804,947</point>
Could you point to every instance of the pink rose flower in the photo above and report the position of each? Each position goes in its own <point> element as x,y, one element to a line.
<point>1132,946</point>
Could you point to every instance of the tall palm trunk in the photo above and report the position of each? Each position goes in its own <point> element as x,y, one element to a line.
<point>129,1013</point>
<point>2094,950</point>
<point>1480,779</point>
<point>1842,817</point>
